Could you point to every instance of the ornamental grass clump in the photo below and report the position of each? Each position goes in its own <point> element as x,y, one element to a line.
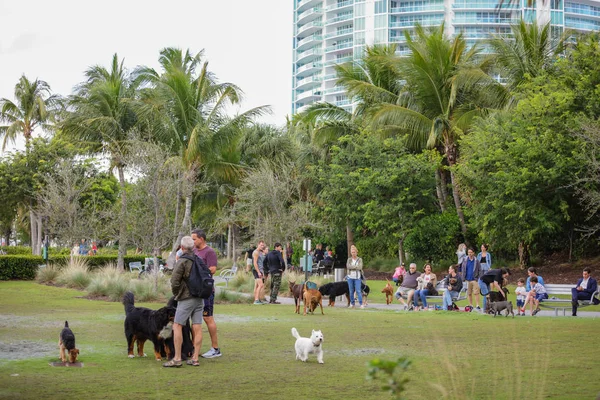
<point>75,275</point>
<point>151,288</point>
<point>47,274</point>
<point>109,281</point>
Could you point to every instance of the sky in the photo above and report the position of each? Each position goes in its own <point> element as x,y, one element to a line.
<point>248,43</point>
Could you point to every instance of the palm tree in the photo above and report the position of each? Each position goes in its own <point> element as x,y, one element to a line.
<point>446,91</point>
<point>35,107</point>
<point>197,125</point>
<point>102,115</point>
<point>530,51</point>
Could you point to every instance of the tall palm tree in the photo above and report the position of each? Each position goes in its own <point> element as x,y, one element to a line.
<point>102,115</point>
<point>197,125</point>
<point>530,51</point>
<point>447,90</point>
<point>34,107</point>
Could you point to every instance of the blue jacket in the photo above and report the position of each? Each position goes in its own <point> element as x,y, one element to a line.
<point>592,285</point>
<point>488,259</point>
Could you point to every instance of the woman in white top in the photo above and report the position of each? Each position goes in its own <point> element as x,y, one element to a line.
<point>355,267</point>
<point>427,276</point>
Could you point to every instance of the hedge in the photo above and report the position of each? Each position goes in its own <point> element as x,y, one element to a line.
<point>24,267</point>
<point>12,250</point>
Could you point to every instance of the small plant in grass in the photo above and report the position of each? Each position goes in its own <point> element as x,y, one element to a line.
<point>47,274</point>
<point>392,372</point>
<point>75,274</point>
<point>151,288</point>
<point>226,297</point>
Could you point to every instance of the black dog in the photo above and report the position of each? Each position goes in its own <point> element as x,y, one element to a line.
<point>143,324</point>
<point>187,347</point>
<point>495,297</point>
<point>334,289</point>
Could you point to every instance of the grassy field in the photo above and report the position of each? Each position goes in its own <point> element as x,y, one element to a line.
<point>454,355</point>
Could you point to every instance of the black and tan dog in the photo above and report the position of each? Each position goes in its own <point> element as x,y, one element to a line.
<point>143,324</point>
<point>297,291</point>
<point>312,299</point>
<point>66,344</point>
<point>334,289</point>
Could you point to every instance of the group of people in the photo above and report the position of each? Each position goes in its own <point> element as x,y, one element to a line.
<point>189,307</point>
<point>263,264</point>
<point>83,249</point>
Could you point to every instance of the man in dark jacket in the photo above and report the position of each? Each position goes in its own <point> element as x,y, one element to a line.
<point>471,272</point>
<point>187,306</point>
<point>586,287</point>
<point>276,267</point>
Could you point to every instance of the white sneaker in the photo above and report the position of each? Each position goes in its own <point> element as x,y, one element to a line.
<point>350,306</point>
<point>363,306</point>
<point>212,353</point>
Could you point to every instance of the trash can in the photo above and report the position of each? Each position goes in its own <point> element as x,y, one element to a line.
<point>339,273</point>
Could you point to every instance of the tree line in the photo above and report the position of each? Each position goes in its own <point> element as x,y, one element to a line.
<point>435,152</point>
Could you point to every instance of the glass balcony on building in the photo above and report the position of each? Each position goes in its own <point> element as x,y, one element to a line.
<point>413,20</point>
<point>582,24</point>
<point>490,17</point>
<point>335,89</point>
<point>308,69</point>
<point>339,19</point>
<point>339,46</point>
<point>484,5</point>
<point>340,5</point>
<point>309,95</point>
<point>308,55</point>
<point>309,42</point>
<point>302,5</point>
<point>582,9</point>
<point>417,7</point>
<point>309,28</point>
<point>309,15</point>
<point>338,61</point>
<point>309,82</point>
<point>339,34</point>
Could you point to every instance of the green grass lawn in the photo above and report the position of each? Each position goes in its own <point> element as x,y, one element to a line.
<point>454,355</point>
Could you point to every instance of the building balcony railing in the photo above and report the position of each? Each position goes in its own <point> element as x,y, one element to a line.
<point>427,22</point>
<point>310,25</point>
<point>309,93</point>
<point>470,21</point>
<point>311,79</point>
<point>341,32</point>
<point>339,18</point>
<point>330,77</point>
<point>424,8</point>
<point>340,46</point>
<point>340,4</point>
<point>485,5</point>
<point>335,89</point>
<point>312,12</point>
<point>308,40</point>
<point>338,61</point>
<point>340,103</point>
<point>308,67</point>
<point>303,4</point>
<point>582,11</point>
<point>310,52</point>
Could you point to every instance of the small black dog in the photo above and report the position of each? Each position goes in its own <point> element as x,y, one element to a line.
<point>66,343</point>
<point>494,297</point>
<point>498,306</point>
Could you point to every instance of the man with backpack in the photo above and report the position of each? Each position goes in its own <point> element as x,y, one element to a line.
<point>187,305</point>
<point>276,267</point>
<point>209,256</point>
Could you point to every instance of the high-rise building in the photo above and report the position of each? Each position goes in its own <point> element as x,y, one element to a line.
<point>330,32</point>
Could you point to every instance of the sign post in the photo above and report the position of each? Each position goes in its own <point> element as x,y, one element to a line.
<point>306,259</point>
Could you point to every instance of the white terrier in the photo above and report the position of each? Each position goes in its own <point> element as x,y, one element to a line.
<point>304,346</point>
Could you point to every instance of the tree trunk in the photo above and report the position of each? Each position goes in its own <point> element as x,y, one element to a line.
<point>184,229</point>
<point>122,222</point>
<point>401,254</point>
<point>177,205</point>
<point>451,155</point>
<point>38,245</point>
<point>349,237</point>
<point>229,242</point>
<point>233,235</point>
<point>444,184</point>
<point>33,221</point>
<point>439,190</point>
<point>524,259</point>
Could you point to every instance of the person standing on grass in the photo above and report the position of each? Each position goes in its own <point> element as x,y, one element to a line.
<point>586,287</point>
<point>461,254</point>
<point>521,294</point>
<point>485,259</point>
<point>493,278</point>
<point>276,267</point>
<point>187,306</point>
<point>454,285</point>
<point>258,258</point>
<point>355,266</point>
<point>208,255</point>
<point>471,271</point>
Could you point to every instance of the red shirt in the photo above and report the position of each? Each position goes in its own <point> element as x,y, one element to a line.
<point>207,255</point>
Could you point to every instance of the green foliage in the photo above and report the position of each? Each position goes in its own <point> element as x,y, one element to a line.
<point>19,267</point>
<point>47,274</point>
<point>16,250</point>
<point>393,372</point>
<point>434,238</point>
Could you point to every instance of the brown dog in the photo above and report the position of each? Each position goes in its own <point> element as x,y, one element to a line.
<point>298,294</point>
<point>312,298</point>
<point>389,292</point>
<point>66,343</point>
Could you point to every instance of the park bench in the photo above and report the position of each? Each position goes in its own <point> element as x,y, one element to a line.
<point>135,265</point>
<point>564,303</point>
<point>228,274</point>
<point>441,288</point>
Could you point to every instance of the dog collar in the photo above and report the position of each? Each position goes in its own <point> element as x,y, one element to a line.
<point>316,345</point>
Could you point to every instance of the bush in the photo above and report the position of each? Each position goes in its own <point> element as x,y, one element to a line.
<point>372,247</point>
<point>14,250</point>
<point>75,275</point>
<point>19,267</point>
<point>47,274</point>
<point>109,281</point>
<point>151,288</point>
<point>434,238</point>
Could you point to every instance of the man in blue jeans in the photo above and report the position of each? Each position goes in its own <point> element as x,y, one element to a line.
<point>453,287</point>
<point>492,278</point>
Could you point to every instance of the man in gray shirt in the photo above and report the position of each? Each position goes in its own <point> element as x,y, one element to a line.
<point>409,284</point>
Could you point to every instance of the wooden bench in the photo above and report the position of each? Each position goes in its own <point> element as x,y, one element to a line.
<point>557,303</point>
<point>228,274</point>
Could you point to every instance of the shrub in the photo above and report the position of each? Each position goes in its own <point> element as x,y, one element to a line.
<point>47,274</point>
<point>16,250</point>
<point>434,238</point>
<point>151,288</point>
<point>75,275</point>
<point>374,247</point>
<point>109,281</point>
<point>19,267</point>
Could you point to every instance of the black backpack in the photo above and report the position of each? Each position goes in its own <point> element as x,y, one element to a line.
<point>200,282</point>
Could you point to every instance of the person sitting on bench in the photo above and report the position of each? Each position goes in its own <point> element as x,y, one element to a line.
<point>586,286</point>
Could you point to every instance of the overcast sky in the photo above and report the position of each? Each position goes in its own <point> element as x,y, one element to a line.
<point>248,43</point>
